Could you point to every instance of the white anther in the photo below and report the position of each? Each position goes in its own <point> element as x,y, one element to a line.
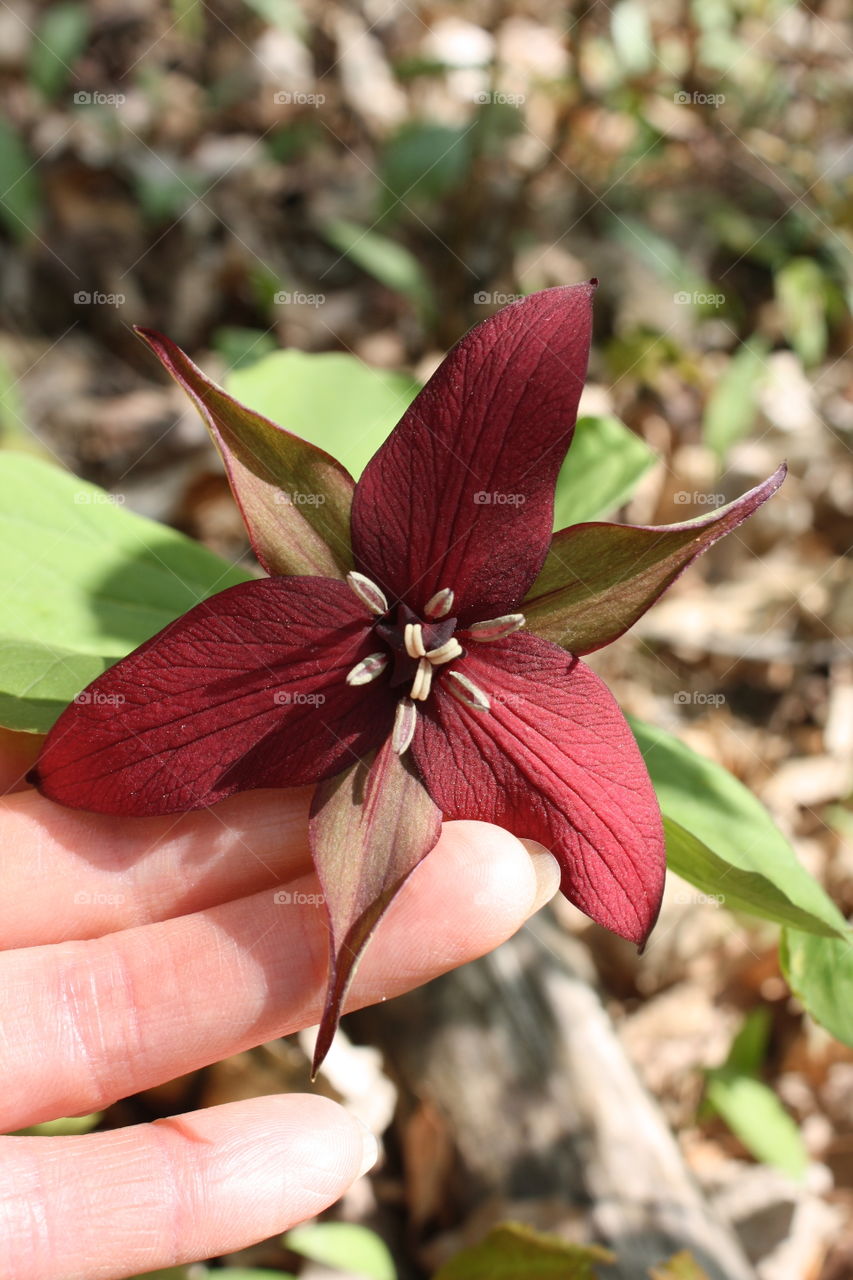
<point>466,692</point>
<point>368,593</point>
<point>405,720</point>
<point>445,652</point>
<point>439,605</point>
<point>422,682</point>
<point>496,628</point>
<point>413,639</point>
<point>368,669</point>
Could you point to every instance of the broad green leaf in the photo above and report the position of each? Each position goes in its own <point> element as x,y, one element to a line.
<point>241,347</point>
<point>20,188</point>
<point>754,1113</point>
<point>599,579</point>
<point>719,812</point>
<point>749,1047</point>
<point>65,1127</point>
<point>732,887</point>
<point>329,398</point>
<point>516,1252</point>
<point>387,261</point>
<point>424,161</point>
<point>733,404</point>
<point>681,1266</point>
<point>83,582</point>
<point>345,1245</point>
<point>819,971</point>
<point>801,294</point>
<point>601,470</point>
<point>295,498</point>
<point>37,681</point>
<point>60,38</point>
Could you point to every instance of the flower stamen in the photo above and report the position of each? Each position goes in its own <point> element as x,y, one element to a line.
<point>368,669</point>
<point>405,719</point>
<point>495,628</point>
<point>439,605</point>
<point>466,692</point>
<point>368,593</point>
<point>422,682</point>
<point>445,652</point>
<point>413,639</point>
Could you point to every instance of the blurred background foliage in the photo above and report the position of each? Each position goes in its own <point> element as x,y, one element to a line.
<point>375,177</point>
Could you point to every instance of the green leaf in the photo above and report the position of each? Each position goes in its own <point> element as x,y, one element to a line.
<point>801,293</point>
<point>295,498</point>
<point>598,579</point>
<point>756,1116</point>
<point>37,681</point>
<point>681,1266</point>
<point>749,1047</point>
<point>601,470</point>
<point>733,404</point>
<point>60,38</point>
<point>20,188</point>
<point>369,828</point>
<point>819,971</point>
<point>732,887</point>
<point>65,1127</point>
<point>718,812</point>
<point>345,1245</point>
<point>516,1252</point>
<point>329,398</point>
<point>241,347</point>
<point>387,261</point>
<point>424,161</point>
<point>83,582</point>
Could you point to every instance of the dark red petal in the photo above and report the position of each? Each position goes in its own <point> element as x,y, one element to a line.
<point>461,495</point>
<point>295,498</point>
<point>599,579</point>
<point>553,760</point>
<point>369,829</point>
<point>246,690</point>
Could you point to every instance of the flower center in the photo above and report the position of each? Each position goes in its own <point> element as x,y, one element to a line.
<point>419,647</point>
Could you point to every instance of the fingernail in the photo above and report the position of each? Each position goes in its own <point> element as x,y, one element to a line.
<point>546,868</point>
<point>370,1148</point>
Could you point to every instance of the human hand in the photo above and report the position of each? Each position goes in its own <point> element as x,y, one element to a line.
<point>140,949</point>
